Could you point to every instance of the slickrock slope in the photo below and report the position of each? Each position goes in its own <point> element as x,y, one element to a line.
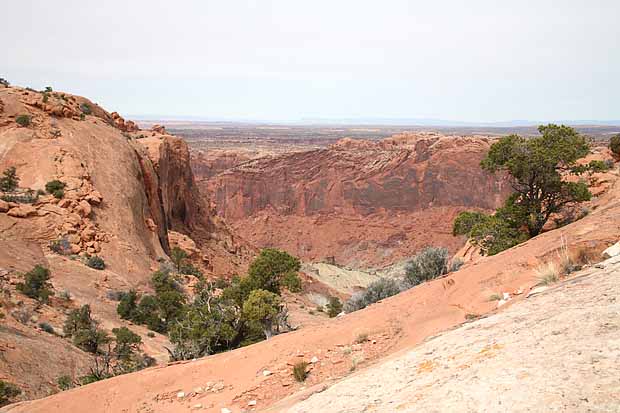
<point>363,203</point>
<point>558,351</point>
<point>122,200</point>
<point>235,379</point>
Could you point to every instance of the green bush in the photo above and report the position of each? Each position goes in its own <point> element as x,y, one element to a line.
<point>127,307</point>
<point>55,185</point>
<point>36,284</point>
<point>95,262</point>
<point>64,382</point>
<point>23,120</point>
<point>614,145</point>
<point>430,263</point>
<point>376,291</point>
<point>84,330</point>
<point>178,256</point>
<point>334,307</point>
<point>85,108</point>
<point>9,180</point>
<point>8,392</point>
<point>263,307</point>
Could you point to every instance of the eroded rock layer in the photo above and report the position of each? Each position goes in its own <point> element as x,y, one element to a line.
<point>364,203</point>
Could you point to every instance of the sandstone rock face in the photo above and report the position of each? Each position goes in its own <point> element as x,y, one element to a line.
<point>508,361</point>
<point>365,203</point>
<point>119,203</point>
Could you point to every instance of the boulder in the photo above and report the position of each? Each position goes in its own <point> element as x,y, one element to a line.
<point>612,251</point>
<point>94,197</point>
<point>83,209</point>
<point>22,211</point>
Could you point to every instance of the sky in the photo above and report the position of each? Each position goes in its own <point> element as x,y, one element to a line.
<point>287,60</point>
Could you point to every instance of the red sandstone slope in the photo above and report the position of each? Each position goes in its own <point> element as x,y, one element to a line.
<point>365,203</point>
<point>233,379</point>
<point>126,190</point>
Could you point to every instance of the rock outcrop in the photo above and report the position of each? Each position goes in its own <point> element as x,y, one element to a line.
<point>122,195</point>
<point>367,203</point>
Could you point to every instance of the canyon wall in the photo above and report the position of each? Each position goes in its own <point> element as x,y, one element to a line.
<point>359,203</point>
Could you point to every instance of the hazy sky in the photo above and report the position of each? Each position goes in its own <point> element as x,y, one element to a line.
<point>288,59</point>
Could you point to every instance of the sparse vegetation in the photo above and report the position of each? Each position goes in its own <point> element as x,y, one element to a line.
<point>495,297</point>
<point>95,262</point>
<point>547,273</point>
<point>127,307</point>
<point>4,82</point>
<point>614,145</point>
<point>9,180</point>
<point>178,256</point>
<point>300,371</point>
<point>334,307</point>
<point>456,264</point>
<point>429,264</point>
<point>36,284</point>
<point>56,188</point>
<point>376,291</point>
<point>64,382</point>
<point>23,120</point>
<point>537,168</point>
<point>8,392</point>
<point>86,109</point>
<point>84,330</point>
<point>361,338</point>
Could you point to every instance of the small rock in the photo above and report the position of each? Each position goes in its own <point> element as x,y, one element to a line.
<point>374,341</point>
<point>218,386</point>
<point>314,360</point>
<point>252,403</point>
<point>506,296</point>
<point>537,290</point>
<point>266,373</point>
<point>612,251</point>
<point>199,390</point>
<point>600,266</point>
<point>197,406</point>
<point>4,206</point>
<point>225,410</point>
<point>501,303</point>
<point>180,395</point>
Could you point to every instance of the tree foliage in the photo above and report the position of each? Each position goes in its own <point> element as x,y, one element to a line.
<point>614,145</point>
<point>9,180</point>
<point>36,284</point>
<point>8,391</point>
<point>263,307</point>
<point>334,307</point>
<point>537,169</point>
<point>178,256</point>
<point>84,330</point>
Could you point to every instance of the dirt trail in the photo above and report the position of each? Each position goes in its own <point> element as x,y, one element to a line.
<point>556,351</point>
